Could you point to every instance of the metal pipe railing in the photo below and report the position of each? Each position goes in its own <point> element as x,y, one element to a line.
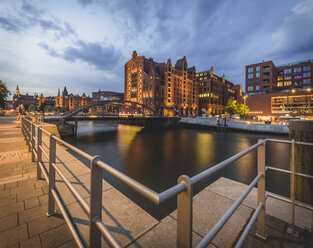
<point>203,175</point>
<point>183,189</point>
<point>218,226</point>
<point>67,218</point>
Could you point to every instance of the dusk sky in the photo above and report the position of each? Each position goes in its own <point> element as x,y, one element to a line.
<point>84,44</point>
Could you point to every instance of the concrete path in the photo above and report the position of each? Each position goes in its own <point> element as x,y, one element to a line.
<point>23,207</point>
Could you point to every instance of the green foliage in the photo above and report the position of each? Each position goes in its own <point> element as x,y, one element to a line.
<point>48,108</point>
<point>4,93</point>
<point>233,107</point>
<point>31,108</point>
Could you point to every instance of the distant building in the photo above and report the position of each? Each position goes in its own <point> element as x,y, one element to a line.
<point>265,77</point>
<point>45,101</point>
<point>26,100</point>
<point>215,91</point>
<point>71,101</point>
<point>106,96</point>
<point>167,89</point>
<point>281,103</point>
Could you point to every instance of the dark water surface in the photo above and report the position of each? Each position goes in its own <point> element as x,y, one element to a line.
<point>156,158</point>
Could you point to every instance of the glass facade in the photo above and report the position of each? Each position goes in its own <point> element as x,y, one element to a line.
<point>292,104</point>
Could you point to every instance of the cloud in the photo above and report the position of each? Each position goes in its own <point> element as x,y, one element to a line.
<point>50,51</point>
<point>27,16</point>
<point>102,57</point>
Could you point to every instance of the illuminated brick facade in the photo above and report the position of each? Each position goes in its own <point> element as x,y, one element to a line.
<point>265,77</point>
<point>215,91</point>
<point>71,101</point>
<point>167,89</point>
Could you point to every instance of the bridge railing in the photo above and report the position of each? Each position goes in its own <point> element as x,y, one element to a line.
<point>183,190</point>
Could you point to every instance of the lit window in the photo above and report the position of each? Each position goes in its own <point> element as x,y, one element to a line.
<point>307,68</point>
<point>306,81</point>
<point>250,70</point>
<point>298,76</point>
<point>201,74</point>
<point>287,71</point>
<point>280,78</point>
<point>279,84</point>
<point>287,77</point>
<point>307,74</point>
<point>298,69</point>
<point>286,83</point>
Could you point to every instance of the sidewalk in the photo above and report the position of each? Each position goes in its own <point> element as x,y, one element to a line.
<point>23,207</point>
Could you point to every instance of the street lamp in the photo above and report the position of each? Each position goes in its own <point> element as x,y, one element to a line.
<point>244,104</point>
<point>308,100</point>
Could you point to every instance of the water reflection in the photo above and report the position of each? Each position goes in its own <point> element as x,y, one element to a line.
<point>157,158</point>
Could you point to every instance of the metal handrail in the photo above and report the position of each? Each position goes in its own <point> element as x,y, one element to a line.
<point>218,226</point>
<point>183,189</point>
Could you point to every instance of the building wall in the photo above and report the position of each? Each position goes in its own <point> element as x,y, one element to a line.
<point>214,92</point>
<point>279,104</point>
<point>265,77</point>
<point>165,88</point>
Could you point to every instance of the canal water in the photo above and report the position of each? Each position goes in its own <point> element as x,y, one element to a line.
<point>156,158</point>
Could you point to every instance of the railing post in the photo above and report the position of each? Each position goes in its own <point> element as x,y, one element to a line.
<point>184,214</point>
<point>292,189</point>
<point>95,202</point>
<point>39,153</point>
<point>29,136</point>
<point>261,230</point>
<point>32,140</point>
<point>52,155</point>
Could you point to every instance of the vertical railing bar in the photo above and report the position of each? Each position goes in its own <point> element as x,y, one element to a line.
<point>261,229</point>
<point>95,202</point>
<point>52,155</point>
<point>33,141</point>
<point>39,152</point>
<point>184,214</point>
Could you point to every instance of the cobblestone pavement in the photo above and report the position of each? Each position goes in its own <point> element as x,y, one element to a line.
<point>23,207</point>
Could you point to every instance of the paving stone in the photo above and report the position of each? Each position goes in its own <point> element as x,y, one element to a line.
<point>30,203</point>
<point>69,244</point>
<point>11,208</point>
<point>305,239</point>
<point>23,189</point>
<point>11,185</point>
<point>32,214</point>
<point>33,242</point>
<point>163,235</point>
<point>43,199</point>
<point>13,236</point>
<point>2,187</point>
<point>8,222</point>
<point>4,193</point>
<point>34,193</point>
<point>44,223</point>
<point>274,237</point>
<point>207,212</point>
<point>55,237</point>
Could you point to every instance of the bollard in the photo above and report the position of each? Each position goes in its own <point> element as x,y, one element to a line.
<point>184,214</point>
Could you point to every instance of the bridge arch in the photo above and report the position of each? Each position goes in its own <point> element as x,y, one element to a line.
<point>105,102</point>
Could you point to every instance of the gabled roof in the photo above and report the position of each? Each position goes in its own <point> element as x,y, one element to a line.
<point>179,64</point>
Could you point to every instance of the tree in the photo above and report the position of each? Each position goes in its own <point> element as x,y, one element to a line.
<point>231,106</point>
<point>31,108</point>
<point>4,93</point>
<point>21,108</point>
<point>48,108</point>
<point>242,110</point>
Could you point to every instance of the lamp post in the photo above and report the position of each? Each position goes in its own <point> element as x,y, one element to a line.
<point>244,104</point>
<point>308,100</point>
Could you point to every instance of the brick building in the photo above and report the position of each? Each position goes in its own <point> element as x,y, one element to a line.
<point>106,96</point>
<point>215,91</point>
<point>25,100</point>
<point>167,89</point>
<point>41,100</point>
<point>71,101</point>
<point>265,77</point>
<point>281,103</point>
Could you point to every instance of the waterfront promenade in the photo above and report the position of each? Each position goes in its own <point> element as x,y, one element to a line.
<point>23,207</point>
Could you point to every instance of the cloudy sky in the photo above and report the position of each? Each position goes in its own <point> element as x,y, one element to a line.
<point>84,44</point>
